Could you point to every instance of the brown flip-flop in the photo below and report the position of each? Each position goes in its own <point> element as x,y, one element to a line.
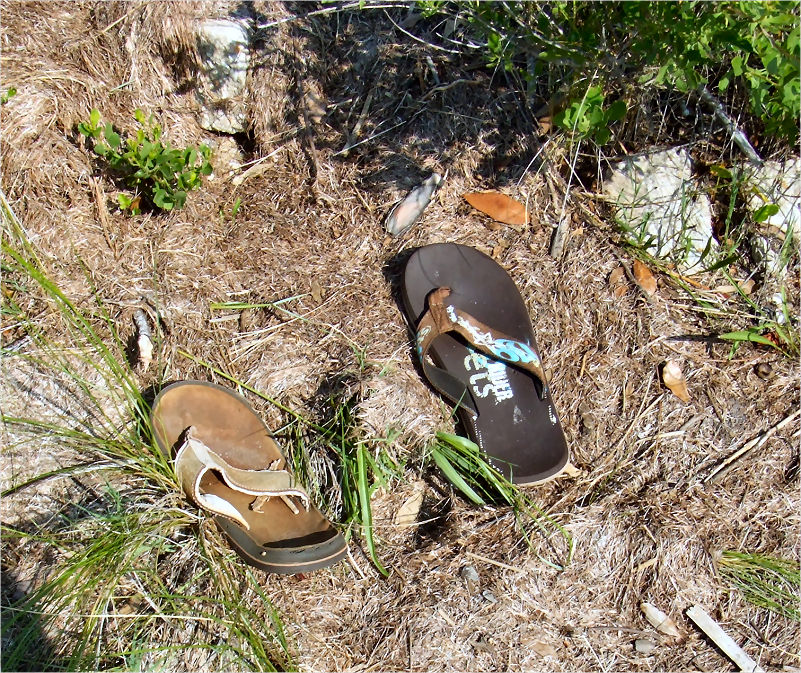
<point>229,465</point>
<point>477,348</point>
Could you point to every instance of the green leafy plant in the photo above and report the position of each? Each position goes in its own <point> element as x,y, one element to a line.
<point>588,118</point>
<point>158,174</point>
<point>7,95</point>
<point>570,47</point>
<point>767,582</point>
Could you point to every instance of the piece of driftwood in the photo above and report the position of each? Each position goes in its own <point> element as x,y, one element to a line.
<point>731,649</point>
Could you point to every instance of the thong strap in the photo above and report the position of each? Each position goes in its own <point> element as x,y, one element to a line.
<point>443,317</point>
<point>194,459</point>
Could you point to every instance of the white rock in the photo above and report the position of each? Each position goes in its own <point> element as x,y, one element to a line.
<point>777,183</point>
<point>659,207</point>
<point>224,46</point>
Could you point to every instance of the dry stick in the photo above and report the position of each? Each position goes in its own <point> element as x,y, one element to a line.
<point>731,649</point>
<point>737,135</point>
<point>727,464</point>
<point>359,122</point>
<point>478,557</point>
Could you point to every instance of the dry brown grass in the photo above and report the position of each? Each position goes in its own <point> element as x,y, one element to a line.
<point>645,525</point>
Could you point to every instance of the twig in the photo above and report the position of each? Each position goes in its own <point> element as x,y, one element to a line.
<point>102,214</point>
<point>737,135</point>
<point>726,465</point>
<point>359,122</point>
<point>321,12</point>
<point>495,563</point>
<point>309,132</point>
<point>417,39</point>
<point>445,87</point>
<point>731,649</point>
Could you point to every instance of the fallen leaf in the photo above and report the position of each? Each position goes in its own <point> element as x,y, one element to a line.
<point>659,620</point>
<point>617,282</point>
<point>645,279</point>
<point>408,511</point>
<point>673,378</point>
<point>499,207</point>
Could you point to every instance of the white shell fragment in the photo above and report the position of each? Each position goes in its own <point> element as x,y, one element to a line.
<point>405,214</point>
<point>674,379</point>
<point>144,341</point>
<point>644,646</point>
<point>659,620</point>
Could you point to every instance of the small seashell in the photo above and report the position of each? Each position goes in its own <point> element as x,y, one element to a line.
<point>644,646</point>
<point>673,378</point>
<point>489,596</point>
<point>659,620</point>
<point>406,213</point>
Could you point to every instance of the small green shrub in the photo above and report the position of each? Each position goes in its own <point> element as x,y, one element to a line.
<point>158,174</point>
<point>588,118</point>
<point>571,47</point>
<point>7,95</point>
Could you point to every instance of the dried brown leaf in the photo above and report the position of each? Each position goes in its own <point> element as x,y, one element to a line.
<point>645,279</point>
<point>408,511</point>
<point>543,649</point>
<point>617,281</point>
<point>316,291</point>
<point>499,207</point>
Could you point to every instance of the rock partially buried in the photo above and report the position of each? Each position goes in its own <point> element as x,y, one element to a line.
<point>224,46</point>
<point>774,197</point>
<point>659,208</point>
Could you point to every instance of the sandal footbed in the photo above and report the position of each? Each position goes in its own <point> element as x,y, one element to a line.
<point>517,434</point>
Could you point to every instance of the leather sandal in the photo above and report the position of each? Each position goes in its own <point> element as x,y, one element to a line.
<point>476,346</point>
<point>229,465</point>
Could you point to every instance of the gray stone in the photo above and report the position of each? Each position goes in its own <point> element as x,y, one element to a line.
<point>224,46</point>
<point>777,183</point>
<point>658,206</point>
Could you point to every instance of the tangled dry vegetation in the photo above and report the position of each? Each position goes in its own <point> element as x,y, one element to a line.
<point>645,524</point>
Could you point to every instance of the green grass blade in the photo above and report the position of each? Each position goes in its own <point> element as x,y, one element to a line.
<point>453,476</point>
<point>363,486</point>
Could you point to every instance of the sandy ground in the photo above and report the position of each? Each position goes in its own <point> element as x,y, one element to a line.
<point>645,523</point>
